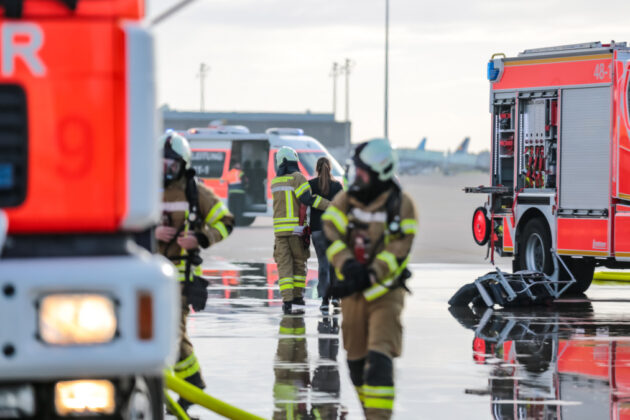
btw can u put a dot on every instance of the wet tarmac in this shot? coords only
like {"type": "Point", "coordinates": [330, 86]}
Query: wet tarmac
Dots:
{"type": "Point", "coordinates": [567, 361]}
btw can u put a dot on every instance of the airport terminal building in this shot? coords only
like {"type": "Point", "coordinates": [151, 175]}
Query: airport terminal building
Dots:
{"type": "Point", "coordinates": [335, 135]}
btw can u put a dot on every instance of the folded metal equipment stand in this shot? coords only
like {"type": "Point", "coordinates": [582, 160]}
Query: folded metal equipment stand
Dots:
{"type": "Point", "coordinates": [523, 287]}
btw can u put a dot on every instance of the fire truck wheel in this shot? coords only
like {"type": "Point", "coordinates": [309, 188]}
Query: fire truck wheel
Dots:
{"type": "Point", "coordinates": [145, 400]}
{"type": "Point", "coordinates": [535, 248]}
{"type": "Point", "coordinates": [583, 270]}
{"type": "Point", "coordinates": [480, 226]}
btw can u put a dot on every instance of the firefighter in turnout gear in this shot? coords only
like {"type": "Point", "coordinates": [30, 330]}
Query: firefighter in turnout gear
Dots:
{"type": "Point", "coordinates": [371, 228]}
{"type": "Point", "coordinates": [289, 189]}
{"type": "Point", "coordinates": [236, 191]}
{"type": "Point", "coordinates": [193, 218]}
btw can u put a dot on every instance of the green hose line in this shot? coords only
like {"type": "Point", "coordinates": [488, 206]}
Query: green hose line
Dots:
{"type": "Point", "coordinates": [175, 408]}
{"type": "Point", "coordinates": [197, 396]}
{"type": "Point", "coordinates": [611, 276]}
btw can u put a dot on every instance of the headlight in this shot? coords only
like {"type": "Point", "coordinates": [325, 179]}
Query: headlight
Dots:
{"type": "Point", "coordinates": [67, 319]}
{"type": "Point", "coordinates": [84, 397]}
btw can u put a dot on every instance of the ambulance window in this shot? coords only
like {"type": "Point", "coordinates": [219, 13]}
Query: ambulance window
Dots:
{"type": "Point", "coordinates": [208, 164]}
{"type": "Point", "coordinates": [309, 161]}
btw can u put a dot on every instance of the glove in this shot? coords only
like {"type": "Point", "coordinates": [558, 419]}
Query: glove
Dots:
{"type": "Point", "coordinates": [356, 279]}
{"type": "Point", "coordinates": [196, 293]}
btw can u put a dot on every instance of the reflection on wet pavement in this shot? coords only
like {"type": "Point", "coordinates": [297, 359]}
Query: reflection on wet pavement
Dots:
{"type": "Point", "coordinates": [557, 362]}
{"type": "Point", "coordinates": [568, 361]}
{"type": "Point", "coordinates": [257, 281]}
{"type": "Point", "coordinates": [295, 388]}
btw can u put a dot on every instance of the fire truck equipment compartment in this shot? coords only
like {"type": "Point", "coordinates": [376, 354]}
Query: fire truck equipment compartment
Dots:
{"type": "Point", "coordinates": [585, 148]}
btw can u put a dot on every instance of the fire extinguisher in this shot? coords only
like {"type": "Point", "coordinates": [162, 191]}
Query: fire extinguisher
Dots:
{"type": "Point", "coordinates": [360, 249]}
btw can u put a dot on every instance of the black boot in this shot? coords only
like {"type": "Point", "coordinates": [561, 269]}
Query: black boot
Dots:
{"type": "Point", "coordinates": [298, 305]}
{"type": "Point", "coordinates": [336, 305]}
{"type": "Point", "coordinates": [287, 308]}
{"type": "Point", "coordinates": [325, 306]}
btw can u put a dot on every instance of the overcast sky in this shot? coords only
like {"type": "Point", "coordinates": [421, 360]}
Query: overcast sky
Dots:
{"type": "Point", "coordinates": [276, 56]}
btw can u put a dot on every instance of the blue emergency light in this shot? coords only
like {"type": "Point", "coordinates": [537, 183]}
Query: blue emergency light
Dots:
{"type": "Point", "coordinates": [493, 73]}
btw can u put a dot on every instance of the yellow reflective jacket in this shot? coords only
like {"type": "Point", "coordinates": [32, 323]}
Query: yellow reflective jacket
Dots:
{"type": "Point", "coordinates": [288, 191]}
{"type": "Point", "coordinates": [217, 220]}
{"type": "Point", "coordinates": [387, 253]}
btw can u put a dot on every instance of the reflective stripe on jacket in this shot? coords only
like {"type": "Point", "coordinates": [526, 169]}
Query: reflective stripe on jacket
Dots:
{"type": "Point", "coordinates": [217, 220]}
{"type": "Point", "coordinates": [288, 192]}
{"type": "Point", "coordinates": [388, 253]}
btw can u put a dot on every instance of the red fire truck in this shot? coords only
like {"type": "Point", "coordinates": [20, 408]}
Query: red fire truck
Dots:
{"type": "Point", "coordinates": [87, 318]}
{"type": "Point", "coordinates": [560, 167]}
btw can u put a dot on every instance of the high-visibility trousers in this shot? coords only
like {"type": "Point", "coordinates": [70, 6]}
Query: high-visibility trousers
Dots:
{"type": "Point", "coordinates": [187, 366]}
{"type": "Point", "coordinates": [291, 256]}
{"type": "Point", "coordinates": [371, 329]}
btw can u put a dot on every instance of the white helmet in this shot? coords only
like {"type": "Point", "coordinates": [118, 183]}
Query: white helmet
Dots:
{"type": "Point", "coordinates": [175, 146]}
{"type": "Point", "coordinates": [287, 153]}
{"type": "Point", "coordinates": [379, 157]}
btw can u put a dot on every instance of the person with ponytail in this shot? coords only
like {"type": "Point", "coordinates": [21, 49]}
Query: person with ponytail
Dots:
{"type": "Point", "coordinates": [327, 187]}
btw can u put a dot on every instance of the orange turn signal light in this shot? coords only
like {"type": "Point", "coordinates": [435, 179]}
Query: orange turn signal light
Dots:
{"type": "Point", "coordinates": [145, 316]}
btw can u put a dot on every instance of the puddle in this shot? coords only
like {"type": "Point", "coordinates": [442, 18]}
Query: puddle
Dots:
{"type": "Point", "coordinates": [568, 361]}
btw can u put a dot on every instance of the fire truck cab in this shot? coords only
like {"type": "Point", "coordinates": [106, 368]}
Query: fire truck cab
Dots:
{"type": "Point", "coordinates": [218, 150]}
{"type": "Point", "coordinates": [560, 167]}
{"type": "Point", "coordinates": [88, 319]}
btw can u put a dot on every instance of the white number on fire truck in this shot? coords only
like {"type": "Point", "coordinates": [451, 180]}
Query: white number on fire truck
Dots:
{"type": "Point", "coordinates": [600, 71]}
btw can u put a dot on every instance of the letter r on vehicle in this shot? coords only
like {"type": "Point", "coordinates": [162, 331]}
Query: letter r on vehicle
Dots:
{"type": "Point", "coordinates": [27, 51]}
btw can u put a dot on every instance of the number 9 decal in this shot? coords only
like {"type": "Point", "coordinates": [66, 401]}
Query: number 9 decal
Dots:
{"type": "Point", "coordinates": [74, 142]}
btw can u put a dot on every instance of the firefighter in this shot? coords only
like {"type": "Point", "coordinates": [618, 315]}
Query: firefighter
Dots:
{"type": "Point", "coordinates": [289, 189]}
{"type": "Point", "coordinates": [193, 218]}
{"type": "Point", "coordinates": [236, 190]}
{"type": "Point", "coordinates": [371, 228]}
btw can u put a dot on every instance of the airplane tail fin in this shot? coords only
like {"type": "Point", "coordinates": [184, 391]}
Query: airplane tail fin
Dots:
{"type": "Point", "coordinates": [423, 144]}
{"type": "Point", "coordinates": [463, 147]}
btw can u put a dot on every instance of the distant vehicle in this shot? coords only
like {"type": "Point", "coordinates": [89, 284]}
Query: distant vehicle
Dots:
{"type": "Point", "coordinates": [419, 160]}
{"type": "Point", "coordinates": [560, 159]}
{"type": "Point", "coordinates": [218, 149]}
{"type": "Point", "coordinates": [460, 160]}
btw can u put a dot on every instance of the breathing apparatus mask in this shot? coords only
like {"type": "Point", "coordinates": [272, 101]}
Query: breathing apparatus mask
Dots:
{"type": "Point", "coordinates": [364, 190]}
{"type": "Point", "coordinates": [173, 165]}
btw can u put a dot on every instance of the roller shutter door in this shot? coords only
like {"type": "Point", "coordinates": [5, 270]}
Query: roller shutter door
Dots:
{"type": "Point", "coordinates": [585, 148]}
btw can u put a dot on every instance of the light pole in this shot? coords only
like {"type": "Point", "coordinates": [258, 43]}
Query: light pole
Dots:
{"type": "Point", "coordinates": [203, 72]}
{"type": "Point", "coordinates": [346, 69]}
{"type": "Point", "coordinates": [386, 120]}
{"type": "Point", "coordinates": [334, 73]}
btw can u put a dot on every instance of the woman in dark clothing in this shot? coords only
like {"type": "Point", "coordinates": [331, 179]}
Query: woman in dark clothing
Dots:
{"type": "Point", "coordinates": [325, 186]}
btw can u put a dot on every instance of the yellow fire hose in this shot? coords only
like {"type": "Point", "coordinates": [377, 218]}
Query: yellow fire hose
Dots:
{"type": "Point", "coordinates": [175, 408]}
{"type": "Point", "coordinates": [197, 396]}
{"type": "Point", "coordinates": [611, 276]}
